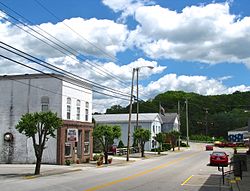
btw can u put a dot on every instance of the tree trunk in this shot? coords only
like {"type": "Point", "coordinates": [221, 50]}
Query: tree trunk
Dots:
{"type": "Point", "coordinates": [38, 165]}
{"type": "Point", "coordinates": [142, 150]}
{"type": "Point", "coordinates": [106, 157]}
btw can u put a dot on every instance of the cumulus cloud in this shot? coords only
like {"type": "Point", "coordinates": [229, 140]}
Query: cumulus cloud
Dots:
{"type": "Point", "coordinates": [207, 33]}
{"type": "Point", "coordinates": [126, 7]}
{"type": "Point", "coordinates": [197, 84]}
{"type": "Point", "coordinates": [97, 37]}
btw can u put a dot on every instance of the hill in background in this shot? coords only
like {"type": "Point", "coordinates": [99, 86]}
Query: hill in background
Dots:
{"type": "Point", "coordinates": [218, 113]}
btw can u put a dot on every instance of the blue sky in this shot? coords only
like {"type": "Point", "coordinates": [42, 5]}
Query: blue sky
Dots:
{"type": "Point", "coordinates": [194, 46]}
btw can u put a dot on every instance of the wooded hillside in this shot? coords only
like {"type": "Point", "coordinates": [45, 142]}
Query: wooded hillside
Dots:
{"type": "Point", "coordinates": [219, 113]}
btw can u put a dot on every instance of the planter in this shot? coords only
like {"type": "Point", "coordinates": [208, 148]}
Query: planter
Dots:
{"type": "Point", "coordinates": [99, 163]}
{"type": "Point", "coordinates": [110, 161]}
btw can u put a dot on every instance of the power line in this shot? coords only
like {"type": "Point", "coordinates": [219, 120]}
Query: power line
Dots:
{"type": "Point", "coordinates": [53, 76]}
{"type": "Point", "coordinates": [63, 71]}
{"type": "Point", "coordinates": [71, 53]}
{"type": "Point", "coordinates": [51, 13]}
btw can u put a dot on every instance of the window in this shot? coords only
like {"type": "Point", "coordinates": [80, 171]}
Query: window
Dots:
{"type": "Point", "coordinates": [153, 128]}
{"type": "Point", "coordinates": [86, 142]}
{"type": "Point", "coordinates": [87, 111]}
{"type": "Point", "coordinates": [68, 107]}
{"type": "Point", "coordinates": [67, 151]}
{"type": "Point", "coordinates": [78, 109]}
{"type": "Point", "coordinates": [45, 103]}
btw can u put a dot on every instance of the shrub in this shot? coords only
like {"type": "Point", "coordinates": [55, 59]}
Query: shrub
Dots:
{"type": "Point", "coordinates": [166, 146]}
{"type": "Point", "coordinates": [68, 162]}
{"type": "Point", "coordinates": [96, 157]}
{"type": "Point", "coordinates": [154, 150]}
{"type": "Point", "coordinates": [183, 144]}
{"type": "Point", "coordinates": [120, 144]}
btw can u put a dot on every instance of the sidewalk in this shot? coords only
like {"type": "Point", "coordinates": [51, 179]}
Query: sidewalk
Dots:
{"type": "Point", "coordinates": [244, 184]}
{"type": "Point", "coordinates": [27, 170]}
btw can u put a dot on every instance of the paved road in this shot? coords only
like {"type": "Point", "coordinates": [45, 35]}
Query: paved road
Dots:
{"type": "Point", "coordinates": [174, 172]}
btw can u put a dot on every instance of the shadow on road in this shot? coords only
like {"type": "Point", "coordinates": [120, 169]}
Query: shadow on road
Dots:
{"type": "Point", "coordinates": [214, 182]}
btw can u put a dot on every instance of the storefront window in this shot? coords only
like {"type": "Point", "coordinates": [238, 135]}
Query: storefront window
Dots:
{"type": "Point", "coordinates": [67, 149]}
{"type": "Point", "coordinates": [86, 142]}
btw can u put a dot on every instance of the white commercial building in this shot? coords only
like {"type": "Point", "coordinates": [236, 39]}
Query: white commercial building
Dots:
{"type": "Point", "coordinates": [71, 99]}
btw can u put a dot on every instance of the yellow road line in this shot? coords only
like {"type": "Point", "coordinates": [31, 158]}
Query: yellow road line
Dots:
{"type": "Point", "coordinates": [187, 180]}
{"type": "Point", "coordinates": [138, 174]}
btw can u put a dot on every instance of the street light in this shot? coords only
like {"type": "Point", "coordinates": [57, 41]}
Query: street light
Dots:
{"type": "Point", "coordinates": [130, 107]}
{"type": "Point", "coordinates": [137, 92]}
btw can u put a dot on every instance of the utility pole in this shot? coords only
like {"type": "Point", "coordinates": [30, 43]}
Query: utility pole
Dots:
{"type": "Point", "coordinates": [187, 120]}
{"type": "Point", "coordinates": [206, 123]}
{"type": "Point", "coordinates": [179, 124]}
{"type": "Point", "coordinates": [137, 96]}
{"type": "Point", "coordinates": [130, 112]}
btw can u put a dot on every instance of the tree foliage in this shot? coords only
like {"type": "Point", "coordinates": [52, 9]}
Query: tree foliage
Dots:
{"type": "Point", "coordinates": [106, 135]}
{"type": "Point", "coordinates": [160, 138]}
{"type": "Point", "coordinates": [40, 127]}
{"type": "Point", "coordinates": [173, 136]}
{"type": "Point", "coordinates": [142, 136]}
{"type": "Point", "coordinates": [225, 112]}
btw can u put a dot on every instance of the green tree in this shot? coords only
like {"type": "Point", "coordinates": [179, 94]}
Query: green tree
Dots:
{"type": "Point", "coordinates": [142, 136]}
{"type": "Point", "coordinates": [106, 135]}
{"type": "Point", "coordinates": [40, 127]}
{"type": "Point", "coordinates": [120, 144]}
{"type": "Point", "coordinates": [173, 135]}
{"type": "Point", "coordinates": [160, 138]}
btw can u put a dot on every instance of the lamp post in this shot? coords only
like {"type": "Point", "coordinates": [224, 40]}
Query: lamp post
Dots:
{"type": "Point", "coordinates": [130, 111]}
{"type": "Point", "coordinates": [130, 106]}
{"type": "Point", "coordinates": [137, 93]}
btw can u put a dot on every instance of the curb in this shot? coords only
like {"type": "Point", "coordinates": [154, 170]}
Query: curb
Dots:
{"type": "Point", "coordinates": [28, 177]}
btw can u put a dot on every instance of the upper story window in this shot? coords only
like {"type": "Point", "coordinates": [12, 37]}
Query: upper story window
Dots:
{"type": "Point", "coordinates": [87, 111]}
{"type": "Point", "coordinates": [78, 109]}
{"type": "Point", "coordinates": [45, 103]}
{"type": "Point", "coordinates": [68, 107]}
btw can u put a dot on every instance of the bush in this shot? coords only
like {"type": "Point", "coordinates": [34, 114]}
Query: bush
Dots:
{"type": "Point", "coordinates": [120, 144]}
{"type": "Point", "coordinates": [183, 144]}
{"type": "Point", "coordinates": [205, 138]}
{"type": "Point", "coordinates": [154, 150]}
{"type": "Point", "coordinates": [96, 157]}
{"type": "Point", "coordinates": [166, 146]}
{"type": "Point", "coordinates": [68, 162]}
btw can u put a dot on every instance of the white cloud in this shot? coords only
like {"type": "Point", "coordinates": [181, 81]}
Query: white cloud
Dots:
{"type": "Point", "coordinates": [206, 33]}
{"type": "Point", "coordinates": [197, 84]}
{"type": "Point", "coordinates": [126, 7]}
{"type": "Point", "coordinates": [103, 34]}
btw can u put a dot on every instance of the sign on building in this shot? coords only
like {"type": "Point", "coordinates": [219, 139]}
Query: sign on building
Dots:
{"type": "Point", "coordinates": [72, 135]}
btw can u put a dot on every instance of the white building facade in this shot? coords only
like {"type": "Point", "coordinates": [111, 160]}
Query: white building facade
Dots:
{"type": "Point", "coordinates": [70, 99]}
{"type": "Point", "coordinates": [150, 121]}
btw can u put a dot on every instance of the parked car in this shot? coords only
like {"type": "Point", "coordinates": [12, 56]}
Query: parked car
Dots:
{"type": "Point", "coordinates": [219, 158]}
{"type": "Point", "coordinates": [209, 147]}
{"type": "Point", "coordinates": [218, 144]}
{"type": "Point", "coordinates": [231, 144]}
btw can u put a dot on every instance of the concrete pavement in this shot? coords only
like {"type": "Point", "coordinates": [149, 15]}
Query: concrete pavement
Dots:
{"type": "Point", "coordinates": [244, 184]}
{"type": "Point", "coordinates": [27, 170]}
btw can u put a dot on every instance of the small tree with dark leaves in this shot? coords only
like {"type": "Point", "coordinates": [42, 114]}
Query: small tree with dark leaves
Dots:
{"type": "Point", "coordinates": [106, 135]}
{"type": "Point", "coordinates": [40, 127]}
{"type": "Point", "coordinates": [173, 135]}
{"type": "Point", "coordinates": [142, 136]}
{"type": "Point", "coordinates": [160, 138]}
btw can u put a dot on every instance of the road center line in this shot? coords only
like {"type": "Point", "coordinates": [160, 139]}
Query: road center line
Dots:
{"type": "Point", "coordinates": [187, 180]}
{"type": "Point", "coordinates": [138, 174]}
